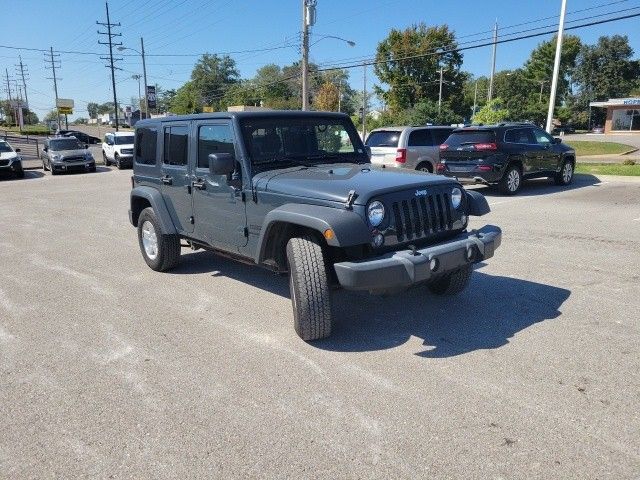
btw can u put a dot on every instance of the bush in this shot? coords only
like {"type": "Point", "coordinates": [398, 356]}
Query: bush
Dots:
{"type": "Point", "coordinates": [628, 161]}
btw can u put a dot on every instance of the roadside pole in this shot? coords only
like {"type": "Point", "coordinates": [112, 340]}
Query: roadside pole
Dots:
{"type": "Point", "coordinates": [493, 61]}
{"type": "Point", "coordinates": [556, 69]}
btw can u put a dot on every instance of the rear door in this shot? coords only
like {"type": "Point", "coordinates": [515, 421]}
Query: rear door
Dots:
{"type": "Point", "coordinates": [384, 146]}
{"type": "Point", "coordinates": [420, 149]}
{"type": "Point", "coordinates": [175, 175]}
{"type": "Point", "coordinates": [521, 144]}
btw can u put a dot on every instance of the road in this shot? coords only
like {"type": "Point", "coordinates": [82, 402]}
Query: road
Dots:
{"type": "Point", "coordinates": [111, 370]}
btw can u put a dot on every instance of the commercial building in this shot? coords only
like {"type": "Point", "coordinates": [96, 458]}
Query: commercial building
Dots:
{"type": "Point", "coordinates": [623, 114]}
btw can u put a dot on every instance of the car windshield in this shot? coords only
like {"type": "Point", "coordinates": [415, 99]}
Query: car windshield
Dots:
{"type": "Point", "coordinates": [383, 138]}
{"type": "Point", "coordinates": [287, 141]}
{"type": "Point", "coordinates": [123, 139]}
{"type": "Point", "coordinates": [4, 147]}
{"type": "Point", "coordinates": [470, 137]}
{"type": "Point", "coordinates": [65, 144]}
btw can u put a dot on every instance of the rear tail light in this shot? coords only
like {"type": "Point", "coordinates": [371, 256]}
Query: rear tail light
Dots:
{"type": "Point", "coordinates": [484, 168]}
{"type": "Point", "coordinates": [443, 146]}
{"type": "Point", "coordinates": [401, 155]}
{"type": "Point", "coordinates": [486, 146]}
{"type": "Point", "coordinates": [440, 167]}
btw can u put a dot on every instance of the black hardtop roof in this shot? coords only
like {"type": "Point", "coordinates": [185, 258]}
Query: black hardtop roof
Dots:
{"type": "Point", "coordinates": [242, 115]}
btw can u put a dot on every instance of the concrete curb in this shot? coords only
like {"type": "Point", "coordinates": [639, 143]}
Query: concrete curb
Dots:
{"type": "Point", "coordinates": [611, 178]}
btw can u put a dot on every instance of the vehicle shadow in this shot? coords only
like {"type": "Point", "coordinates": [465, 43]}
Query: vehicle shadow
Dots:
{"type": "Point", "coordinates": [540, 186]}
{"type": "Point", "coordinates": [28, 175]}
{"type": "Point", "coordinates": [485, 316]}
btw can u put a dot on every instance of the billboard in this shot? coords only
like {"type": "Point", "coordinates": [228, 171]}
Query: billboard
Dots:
{"type": "Point", "coordinates": [151, 96]}
{"type": "Point", "coordinates": [65, 105]}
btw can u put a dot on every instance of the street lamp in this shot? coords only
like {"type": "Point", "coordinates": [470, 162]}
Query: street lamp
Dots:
{"type": "Point", "coordinates": [351, 43]}
{"type": "Point", "coordinates": [144, 72]}
{"type": "Point", "coordinates": [137, 77]}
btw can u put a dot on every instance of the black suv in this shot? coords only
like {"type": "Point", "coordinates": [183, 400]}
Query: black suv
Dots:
{"type": "Point", "coordinates": [295, 192]}
{"type": "Point", "coordinates": [504, 155]}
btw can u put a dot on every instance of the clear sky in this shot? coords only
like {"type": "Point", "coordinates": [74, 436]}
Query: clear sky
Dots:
{"type": "Point", "coordinates": [219, 26]}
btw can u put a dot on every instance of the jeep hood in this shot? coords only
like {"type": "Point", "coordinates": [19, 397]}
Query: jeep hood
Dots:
{"type": "Point", "coordinates": [8, 155]}
{"type": "Point", "coordinates": [334, 181]}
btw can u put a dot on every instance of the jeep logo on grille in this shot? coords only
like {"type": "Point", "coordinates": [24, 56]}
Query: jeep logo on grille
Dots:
{"type": "Point", "coordinates": [421, 193]}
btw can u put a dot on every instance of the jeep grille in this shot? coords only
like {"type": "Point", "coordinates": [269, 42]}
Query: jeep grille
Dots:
{"type": "Point", "coordinates": [421, 217]}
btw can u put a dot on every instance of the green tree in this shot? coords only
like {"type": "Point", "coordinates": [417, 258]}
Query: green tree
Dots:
{"type": "Point", "coordinates": [51, 116]}
{"type": "Point", "coordinates": [210, 78]}
{"type": "Point", "coordinates": [417, 78]}
{"type": "Point", "coordinates": [92, 109]}
{"type": "Point", "coordinates": [186, 100]}
{"type": "Point", "coordinates": [491, 113]}
{"type": "Point", "coordinates": [327, 98]}
{"type": "Point", "coordinates": [164, 99]}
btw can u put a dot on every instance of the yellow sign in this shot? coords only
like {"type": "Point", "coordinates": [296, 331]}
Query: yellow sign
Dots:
{"type": "Point", "coordinates": [65, 110]}
{"type": "Point", "coordinates": [207, 109]}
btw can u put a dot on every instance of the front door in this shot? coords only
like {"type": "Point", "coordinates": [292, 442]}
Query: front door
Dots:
{"type": "Point", "coordinates": [550, 156]}
{"type": "Point", "coordinates": [218, 208]}
{"type": "Point", "coordinates": [175, 177]}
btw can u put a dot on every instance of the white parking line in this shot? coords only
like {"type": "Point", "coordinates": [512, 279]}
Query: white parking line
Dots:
{"type": "Point", "coordinates": [636, 219]}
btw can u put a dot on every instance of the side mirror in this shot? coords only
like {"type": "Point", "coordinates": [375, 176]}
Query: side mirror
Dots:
{"type": "Point", "coordinates": [86, 145]}
{"type": "Point", "coordinates": [221, 163]}
{"type": "Point", "coordinates": [367, 149]}
{"type": "Point", "coordinates": [45, 148]}
{"type": "Point", "coordinates": [17, 150]}
{"type": "Point", "coordinates": [557, 140]}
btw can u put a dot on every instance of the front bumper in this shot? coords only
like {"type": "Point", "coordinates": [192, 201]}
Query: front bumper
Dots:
{"type": "Point", "coordinates": [405, 268]}
{"type": "Point", "coordinates": [11, 165]}
{"type": "Point", "coordinates": [73, 166]}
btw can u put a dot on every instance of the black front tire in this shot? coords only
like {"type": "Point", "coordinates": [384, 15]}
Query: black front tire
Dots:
{"type": "Point", "coordinates": [44, 166]}
{"type": "Point", "coordinates": [309, 285]}
{"type": "Point", "coordinates": [19, 173]}
{"type": "Point", "coordinates": [565, 177]}
{"type": "Point", "coordinates": [452, 283]}
{"type": "Point", "coordinates": [118, 163]}
{"type": "Point", "coordinates": [511, 181]}
{"type": "Point", "coordinates": [105, 159]}
{"type": "Point", "coordinates": [168, 245]}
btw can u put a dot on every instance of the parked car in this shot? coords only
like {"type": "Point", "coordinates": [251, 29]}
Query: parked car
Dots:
{"type": "Point", "coordinates": [504, 155]}
{"type": "Point", "coordinates": [562, 129]}
{"type": "Point", "coordinates": [295, 192]}
{"type": "Point", "coordinates": [66, 154]}
{"type": "Point", "coordinates": [10, 161]}
{"type": "Point", "coordinates": [415, 147]}
{"type": "Point", "coordinates": [81, 136]}
{"type": "Point", "coordinates": [597, 129]}
{"type": "Point", "coordinates": [117, 148]}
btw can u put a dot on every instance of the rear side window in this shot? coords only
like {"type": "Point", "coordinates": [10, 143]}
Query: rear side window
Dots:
{"type": "Point", "coordinates": [440, 135]}
{"type": "Point", "coordinates": [519, 135]}
{"type": "Point", "coordinates": [383, 138]}
{"type": "Point", "coordinates": [175, 145]}
{"type": "Point", "coordinates": [145, 145]}
{"type": "Point", "coordinates": [469, 137]}
{"type": "Point", "coordinates": [420, 138]}
{"type": "Point", "coordinates": [213, 139]}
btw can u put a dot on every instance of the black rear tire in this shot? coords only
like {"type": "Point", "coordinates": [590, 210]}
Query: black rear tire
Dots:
{"type": "Point", "coordinates": [511, 181]}
{"type": "Point", "coordinates": [168, 245]}
{"type": "Point", "coordinates": [425, 167]}
{"type": "Point", "coordinates": [309, 285]}
{"type": "Point", "coordinates": [452, 283]}
{"type": "Point", "coordinates": [565, 177]}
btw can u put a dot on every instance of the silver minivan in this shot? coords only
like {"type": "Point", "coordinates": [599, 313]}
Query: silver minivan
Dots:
{"type": "Point", "coordinates": [417, 148]}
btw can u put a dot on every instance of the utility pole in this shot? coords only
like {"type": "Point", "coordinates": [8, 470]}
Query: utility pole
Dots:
{"type": "Point", "coordinates": [23, 73]}
{"type": "Point", "coordinates": [111, 44]}
{"type": "Point", "coordinates": [493, 61]}
{"type": "Point", "coordinates": [475, 101]}
{"type": "Point", "coordinates": [6, 71]}
{"type": "Point", "coordinates": [144, 73]}
{"type": "Point", "coordinates": [308, 19]}
{"type": "Point", "coordinates": [556, 68]}
{"type": "Point", "coordinates": [364, 102]}
{"type": "Point", "coordinates": [54, 63]}
{"type": "Point", "coordinates": [440, 94]}
{"type": "Point", "coordinates": [137, 77]}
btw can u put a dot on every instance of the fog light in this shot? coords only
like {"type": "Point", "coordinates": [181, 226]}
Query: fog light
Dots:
{"type": "Point", "coordinates": [378, 240]}
{"type": "Point", "coordinates": [434, 264]}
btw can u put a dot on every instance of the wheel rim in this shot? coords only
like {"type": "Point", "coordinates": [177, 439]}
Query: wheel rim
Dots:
{"type": "Point", "coordinates": [567, 172]}
{"type": "Point", "coordinates": [513, 180]}
{"type": "Point", "coordinates": [149, 240]}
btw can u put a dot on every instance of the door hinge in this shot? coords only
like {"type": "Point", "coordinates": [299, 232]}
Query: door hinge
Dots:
{"type": "Point", "coordinates": [246, 232]}
{"type": "Point", "coordinates": [243, 196]}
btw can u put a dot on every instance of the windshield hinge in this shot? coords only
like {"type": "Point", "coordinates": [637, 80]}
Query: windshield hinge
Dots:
{"type": "Point", "coordinates": [350, 199]}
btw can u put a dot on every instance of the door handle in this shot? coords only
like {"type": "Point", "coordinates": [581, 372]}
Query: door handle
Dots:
{"type": "Point", "coordinates": [199, 184]}
{"type": "Point", "coordinates": [167, 180]}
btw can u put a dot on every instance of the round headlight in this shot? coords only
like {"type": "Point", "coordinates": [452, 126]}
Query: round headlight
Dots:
{"type": "Point", "coordinates": [375, 213]}
{"type": "Point", "coordinates": [456, 197]}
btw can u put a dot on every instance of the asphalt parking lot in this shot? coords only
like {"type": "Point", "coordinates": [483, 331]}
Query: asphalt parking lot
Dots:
{"type": "Point", "coordinates": [108, 369]}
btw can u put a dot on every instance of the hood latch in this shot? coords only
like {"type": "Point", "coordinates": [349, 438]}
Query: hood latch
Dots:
{"type": "Point", "coordinates": [350, 199]}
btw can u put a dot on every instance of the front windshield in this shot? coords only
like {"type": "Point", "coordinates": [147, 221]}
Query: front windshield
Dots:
{"type": "Point", "coordinates": [4, 147]}
{"type": "Point", "coordinates": [124, 139]}
{"type": "Point", "coordinates": [284, 141]}
{"type": "Point", "coordinates": [65, 144]}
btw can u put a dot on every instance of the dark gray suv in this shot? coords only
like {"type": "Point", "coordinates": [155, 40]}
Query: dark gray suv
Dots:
{"type": "Point", "coordinates": [295, 192]}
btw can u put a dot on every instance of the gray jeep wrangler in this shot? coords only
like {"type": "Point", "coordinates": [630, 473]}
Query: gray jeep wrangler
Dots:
{"type": "Point", "coordinates": [295, 192]}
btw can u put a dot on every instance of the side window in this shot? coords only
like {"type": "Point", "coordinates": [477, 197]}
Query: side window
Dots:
{"type": "Point", "coordinates": [213, 139]}
{"type": "Point", "coordinates": [542, 137]}
{"type": "Point", "coordinates": [522, 136]}
{"type": "Point", "coordinates": [146, 142]}
{"type": "Point", "coordinates": [420, 138]}
{"type": "Point", "coordinates": [175, 145]}
{"type": "Point", "coordinates": [440, 135]}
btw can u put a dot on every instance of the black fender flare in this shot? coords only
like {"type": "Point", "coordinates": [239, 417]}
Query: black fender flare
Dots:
{"type": "Point", "coordinates": [154, 197]}
{"type": "Point", "coordinates": [348, 227]}
{"type": "Point", "coordinates": [477, 204]}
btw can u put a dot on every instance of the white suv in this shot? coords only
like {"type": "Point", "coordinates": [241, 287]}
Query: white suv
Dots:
{"type": "Point", "coordinates": [117, 148]}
